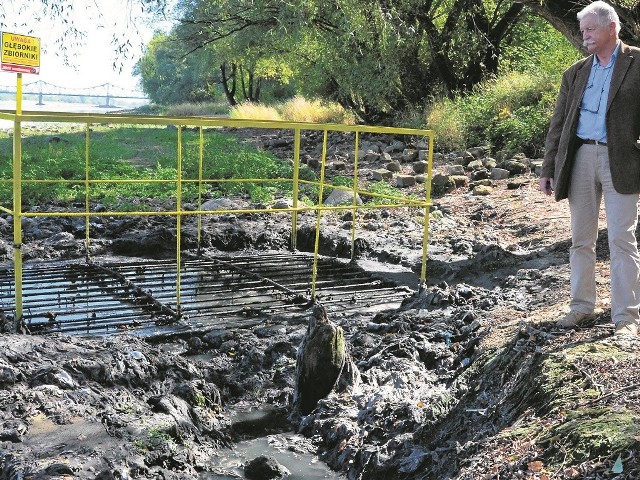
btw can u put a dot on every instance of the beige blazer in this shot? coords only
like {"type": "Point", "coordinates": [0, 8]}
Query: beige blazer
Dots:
{"type": "Point", "coordinates": [622, 119]}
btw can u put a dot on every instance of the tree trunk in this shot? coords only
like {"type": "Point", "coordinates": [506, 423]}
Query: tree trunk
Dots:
{"type": "Point", "coordinates": [322, 363]}
{"type": "Point", "coordinates": [229, 92]}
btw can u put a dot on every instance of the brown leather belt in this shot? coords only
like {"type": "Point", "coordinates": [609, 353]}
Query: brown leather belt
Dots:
{"type": "Point", "coordinates": [582, 141]}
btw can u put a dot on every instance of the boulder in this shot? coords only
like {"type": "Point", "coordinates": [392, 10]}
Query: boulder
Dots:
{"type": "Point", "coordinates": [405, 181]}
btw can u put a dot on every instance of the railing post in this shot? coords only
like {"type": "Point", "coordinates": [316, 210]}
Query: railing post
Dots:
{"type": "Point", "coordinates": [17, 199]}
{"type": "Point", "coordinates": [425, 234]}
{"type": "Point", "coordinates": [354, 211]}
{"type": "Point", "coordinates": [200, 176]}
{"type": "Point", "coordinates": [178, 217]}
{"type": "Point", "coordinates": [296, 178]}
{"type": "Point", "coordinates": [87, 206]}
{"type": "Point", "coordinates": [316, 246]}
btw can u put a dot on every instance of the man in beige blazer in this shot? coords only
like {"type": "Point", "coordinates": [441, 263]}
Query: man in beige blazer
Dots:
{"type": "Point", "coordinates": [593, 151]}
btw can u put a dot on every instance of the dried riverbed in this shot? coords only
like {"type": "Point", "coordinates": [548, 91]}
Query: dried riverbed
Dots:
{"type": "Point", "coordinates": [467, 379]}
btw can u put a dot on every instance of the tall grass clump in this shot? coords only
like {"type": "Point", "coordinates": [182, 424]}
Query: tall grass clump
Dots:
{"type": "Point", "coordinates": [300, 109]}
{"type": "Point", "coordinates": [296, 109]}
{"type": "Point", "coordinates": [198, 109]}
{"type": "Point", "coordinates": [254, 111]}
{"type": "Point", "coordinates": [447, 120]}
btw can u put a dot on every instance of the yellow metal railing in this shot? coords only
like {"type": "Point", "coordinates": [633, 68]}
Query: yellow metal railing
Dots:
{"type": "Point", "coordinates": [391, 201]}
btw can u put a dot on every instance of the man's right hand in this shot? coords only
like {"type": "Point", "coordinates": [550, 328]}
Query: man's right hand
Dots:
{"type": "Point", "coordinates": [546, 185]}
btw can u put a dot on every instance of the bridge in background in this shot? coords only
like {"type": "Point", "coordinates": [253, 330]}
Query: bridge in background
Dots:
{"type": "Point", "coordinates": [106, 93]}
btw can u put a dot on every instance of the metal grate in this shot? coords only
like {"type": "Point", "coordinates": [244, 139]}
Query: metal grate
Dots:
{"type": "Point", "coordinates": [141, 295]}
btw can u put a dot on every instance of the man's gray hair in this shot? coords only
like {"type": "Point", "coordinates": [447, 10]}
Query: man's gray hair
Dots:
{"type": "Point", "coordinates": [605, 13]}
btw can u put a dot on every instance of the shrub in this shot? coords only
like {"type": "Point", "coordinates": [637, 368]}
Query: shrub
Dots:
{"type": "Point", "coordinates": [446, 119]}
{"type": "Point", "coordinates": [508, 113]}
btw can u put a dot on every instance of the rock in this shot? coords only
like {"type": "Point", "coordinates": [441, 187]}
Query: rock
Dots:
{"type": "Point", "coordinates": [420, 166]}
{"type": "Point", "coordinates": [405, 181]}
{"type": "Point", "coordinates": [264, 468]}
{"type": "Point", "coordinates": [455, 169]}
{"type": "Point", "coordinates": [536, 165]}
{"type": "Point", "coordinates": [475, 165]}
{"type": "Point", "coordinates": [476, 152]}
{"type": "Point", "coordinates": [342, 197]}
{"type": "Point", "coordinates": [468, 156]}
{"type": "Point", "coordinates": [58, 469]}
{"type": "Point", "coordinates": [283, 203]}
{"type": "Point", "coordinates": [409, 155]}
{"type": "Point", "coordinates": [339, 165]}
{"type": "Point", "coordinates": [515, 167]}
{"type": "Point", "coordinates": [482, 190]}
{"type": "Point", "coordinates": [395, 146]}
{"type": "Point", "coordinates": [480, 175]}
{"type": "Point", "coordinates": [222, 204]}
{"type": "Point", "coordinates": [499, 174]}
{"type": "Point", "coordinates": [369, 156]}
{"type": "Point", "coordinates": [61, 240]}
{"type": "Point", "coordinates": [381, 174]}
{"type": "Point", "coordinates": [442, 184]}
{"type": "Point", "coordinates": [215, 338]}
{"type": "Point", "coordinates": [393, 166]}
{"type": "Point", "coordinates": [515, 184]}
{"type": "Point", "coordinates": [7, 375]}
{"type": "Point", "coordinates": [372, 226]}
{"type": "Point", "coordinates": [460, 180]}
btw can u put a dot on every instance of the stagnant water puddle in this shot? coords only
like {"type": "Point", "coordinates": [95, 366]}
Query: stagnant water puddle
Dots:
{"type": "Point", "coordinates": [261, 431]}
{"type": "Point", "coordinates": [301, 465]}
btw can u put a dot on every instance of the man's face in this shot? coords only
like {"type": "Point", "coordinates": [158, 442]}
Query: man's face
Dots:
{"type": "Point", "coordinates": [595, 37]}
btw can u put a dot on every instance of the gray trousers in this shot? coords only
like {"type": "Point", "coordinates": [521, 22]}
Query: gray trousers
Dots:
{"type": "Point", "coordinates": [590, 181]}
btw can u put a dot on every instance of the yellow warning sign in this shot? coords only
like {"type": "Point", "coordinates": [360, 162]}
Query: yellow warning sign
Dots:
{"type": "Point", "coordinates": [20, 53]}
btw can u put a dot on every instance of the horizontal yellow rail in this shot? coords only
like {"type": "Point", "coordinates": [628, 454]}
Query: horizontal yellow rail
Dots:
{"type": "Point", "coordinates": [120, 119]}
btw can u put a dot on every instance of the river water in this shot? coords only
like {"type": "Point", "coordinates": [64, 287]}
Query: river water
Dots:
{"type": "Point", "coordinates": [67, 107]}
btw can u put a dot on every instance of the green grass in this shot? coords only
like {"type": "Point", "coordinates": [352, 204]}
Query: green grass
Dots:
{"type": "Point", "coordinates": [147, 155]}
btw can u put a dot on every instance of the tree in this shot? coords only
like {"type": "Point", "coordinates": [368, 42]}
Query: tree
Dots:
{"type": "Point", "coordinates": [376, 56]}
{"type": "Point", "coordinates": [562, 15]}
{"type": "Point", "coordinates": [246, 57]}
{"type": "Point", "coordinates": [169, 75]}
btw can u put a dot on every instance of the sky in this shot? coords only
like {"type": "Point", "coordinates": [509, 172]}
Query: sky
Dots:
{"type": "Point", "coordinates": [92, 57]}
